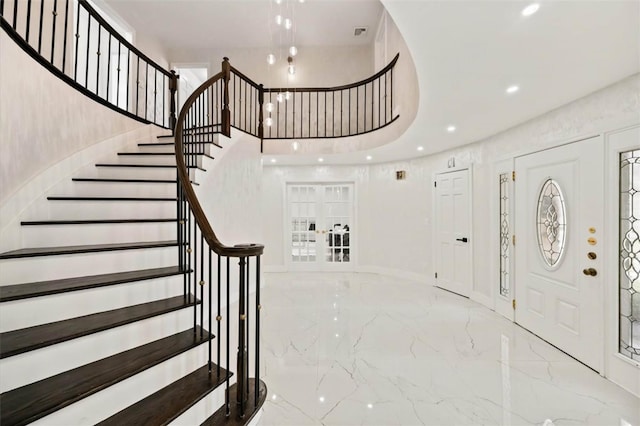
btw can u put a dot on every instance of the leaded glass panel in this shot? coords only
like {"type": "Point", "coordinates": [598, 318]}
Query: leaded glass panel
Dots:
{"type": "Point", "coordinates": [629, 272]}
{"type": "Point", "coordinates": [551, 223]}
{"type": "Point", "coordinates": [504, 234]}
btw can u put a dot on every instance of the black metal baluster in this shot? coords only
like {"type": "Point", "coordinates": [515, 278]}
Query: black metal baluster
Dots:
{"type": "Point", "coordinates": [189, 242]}
{"type": "Point", "coordinates": [278, 117]}
{"type": "Point", "coordinates": [247, 322]}
{"type": "Point", "coordinates": [391, 109]}
{"type": "Point", "coordinates": [357, 110]}
{"type": "Point", "coordinates": [15, 13]}
{"type": "Point", "coordinates": [146, 91]}
{"type": "Point", "coordinates": [54, 12]}
{"type": "Point", "coordinates": [219, 316]}
{"type": "Point", "coordinates": [202, 283]}
{"type": "Point", "coordinates": [257, 350]}
{"type": "Point", "coordinates": [293, 116]}
{"type": "Point", "coordinates": [40, 27]}
{"type": "Point", "coordinates": [317, 114]}
{"type": "Point", "coordinates": [286, 116]}
{"type": "Point", "coordinates": [341, 113]}
{"type": "Point", "coordinates": [77, 35]}
{"type": "Point", "coordinates": [129, 77]}
{"type": "Point", "coordinates": [27, 30]}
{"type": "Point", "coordinates": [210, 307]}
{"type": "Point", "coordinates": [325, 114]}
{"type": "Point", "coordinates": [64, 47]}
{"type": "Point", "coordinates": [241, 370]}
{"type": "Point", "coordinates": [2, 7]}
{"type": "Point", "coordinates": [379, 90]}
{"type": "Point", "coordinates": [364, 107]}
{"type": "Point", "coordinates": [109, 66]}
{"type": "Point", "coordinates": [137, 87]}
{"type": "Point", "coordinates": [118, 76]}
{"type": "Point", "coordinates": [164, 99]}
{"type": "Point", "coordinates": [385, 96]}
{"type": "Point", "coordinates": [86, 68]}
{"type": "Point", "coordinates": [98, 60]}
{"type": "Point", "coordinates": [228, 408]}
{"type": "Point", "coordinates": [350, 110]}
{"type": "Point", "coordinates": [155, 94]}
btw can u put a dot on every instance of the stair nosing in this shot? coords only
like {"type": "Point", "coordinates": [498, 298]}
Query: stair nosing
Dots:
{"type": "Point", "coordinates": [166, 181]}
{"type": "Point", "coordinates": [101, 366]}
{"type": "Point", "coordinates": [66, 285]}
{"type": "Point", "coordinates": [95, 221]}
{"type": "Point", "coordinates": [188, 303]}
{"type": "Point", "coordinates": [81, 198]}
{"type": "Point", "coordinates": [159, 166]}
{"type": "Point", "coordinates": [92, 248]}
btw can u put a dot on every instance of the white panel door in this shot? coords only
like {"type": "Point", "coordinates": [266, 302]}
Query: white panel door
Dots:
{"type": "Point", "coordinates": [559, 248]}
{"type": "Point", "coordinates": [452, 231]}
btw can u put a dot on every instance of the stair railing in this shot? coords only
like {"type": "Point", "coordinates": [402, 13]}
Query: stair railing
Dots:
{"type": "Point", "coordinates": [205, 113]}
{"type": "Point", "coordinates": [72, 40]}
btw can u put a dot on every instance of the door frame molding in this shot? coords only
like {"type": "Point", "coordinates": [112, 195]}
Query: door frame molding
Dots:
{"type": "Point", "coordinates": [434, 226]}
{"type": "Point", "coordinates": [286, 226]}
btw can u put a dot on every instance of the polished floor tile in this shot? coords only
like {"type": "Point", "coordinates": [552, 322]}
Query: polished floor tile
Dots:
{"type": "Point", "coordinates": [364, 349]}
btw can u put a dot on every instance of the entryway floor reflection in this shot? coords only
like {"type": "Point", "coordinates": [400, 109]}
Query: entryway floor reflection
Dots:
{"type": "Point", "coordinates": [366, 349]}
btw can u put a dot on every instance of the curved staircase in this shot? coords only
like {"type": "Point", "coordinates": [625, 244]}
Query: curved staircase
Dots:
{"type": "Point", "coordinates": [96, 325]}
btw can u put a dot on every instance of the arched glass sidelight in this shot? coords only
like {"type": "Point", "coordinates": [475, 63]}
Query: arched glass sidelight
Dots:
{"type": "Point", "coordinates": [551, 223]}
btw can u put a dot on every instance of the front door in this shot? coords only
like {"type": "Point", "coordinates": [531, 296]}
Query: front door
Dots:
{"type": "Point", "coordinates": [320, 226]}
{"type": "Point", "coordinates": [453, 232]}
{"type": "Point", "coordinates": [559, 234]}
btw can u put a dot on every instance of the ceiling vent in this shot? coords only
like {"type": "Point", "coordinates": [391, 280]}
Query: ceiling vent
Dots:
{"type": "Point", "coordinates": [360, 31]}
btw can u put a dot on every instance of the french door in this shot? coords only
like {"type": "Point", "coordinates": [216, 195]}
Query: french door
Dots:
{"type": "Point", "coordinates": [559, 217]}
{"type": "Point", "coordinates": [320, 226]}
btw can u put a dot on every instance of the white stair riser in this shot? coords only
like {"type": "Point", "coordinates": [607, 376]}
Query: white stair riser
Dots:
{"type": "Point", "coordinates": [145, 159]}
{"type": "Point", "coordinates": [104, 233]}
{"type": "Point", "coordinates": [113, 399]}
{"type": "Point", "coordinates": [80, 210]}
{"type": "Point", "coordinates": [206, 148]}
{"type": "Point", "coordinates": [118, 189]}
{"type": "Point", "coordinates": [41, 310]}
{"type": "Point", "coordinates": [45, 268]}
{"type": "Point", "coordinates": [134, 172]}
{"type": "Point", "coordinates": [30, 367]}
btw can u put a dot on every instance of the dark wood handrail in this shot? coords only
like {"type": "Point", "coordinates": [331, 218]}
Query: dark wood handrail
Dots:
{"type": "Point", "coordinates": [209, 235]}
{"type": "Point", "coordinates": [337, 88]}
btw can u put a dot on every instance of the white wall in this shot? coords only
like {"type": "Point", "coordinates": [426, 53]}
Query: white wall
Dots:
{"type": "Point", "coordinates": [43, 119]}
{"type": "Point", "coordinates": [395, 217]}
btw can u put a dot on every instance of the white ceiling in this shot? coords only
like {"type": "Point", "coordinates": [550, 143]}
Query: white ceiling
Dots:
{"type": "Point", "coordinates": [466, 54]}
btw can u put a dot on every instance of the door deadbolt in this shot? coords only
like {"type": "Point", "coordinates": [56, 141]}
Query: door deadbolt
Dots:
{"type": "Point", "coordinates": [590, 272]}
{"type": "Point", "coordinates": [591, 255]}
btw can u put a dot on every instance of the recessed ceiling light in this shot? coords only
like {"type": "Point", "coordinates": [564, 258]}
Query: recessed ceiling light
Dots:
{"type": "Point", "coordinates": [420, 148]}
{"type": "Point", "coordinates": [273, 160]}
{"type": "Point", "coordinates": [451, 129]}
{"type": "Point", "coordinates": [512, 89]}
{"type": "Point", "coordinates": [531, 9]}
{"type": "Point", "coordinates": [320, 160]}
{"type": "Point", "coordinates": [369, 157]}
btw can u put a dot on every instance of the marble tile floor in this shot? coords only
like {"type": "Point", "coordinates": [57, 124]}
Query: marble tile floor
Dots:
{"type": "Point", "coordinates": [364, 349]}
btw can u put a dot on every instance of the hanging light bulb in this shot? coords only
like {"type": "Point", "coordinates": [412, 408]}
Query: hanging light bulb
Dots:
{"type": "Point", "coordinates": [295, 145]}
{"type": "Point", "coordinates": [301, 1]}
{"type": "Point", "coordinates": [278, 1]}
{"type": "Point", "coordinates": [293, 51]}
{"type": "Point", "coordinates": [287, 95]}
{"type": "Point", "coordinates": [292, 69]}
{"type": "Point", "coordinates": [288, 23]}
{"type": "Point", "coordinates": [268, 122]}
{"type": "Point", "coordinates": [268, 107]}
{"type": "Point", "coordinates": [271, 59]}
{"type": "Point", "coordinates": [279, 97]}
{"type": "Point", "coordinates": [278, 19]}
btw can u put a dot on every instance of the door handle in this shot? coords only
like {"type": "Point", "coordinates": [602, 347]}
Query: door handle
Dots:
{"type": "Point", "coordinates": [463, 239]}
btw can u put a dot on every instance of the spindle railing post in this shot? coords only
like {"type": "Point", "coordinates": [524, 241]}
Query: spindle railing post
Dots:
{"type": "Point", "coordinates": [226, 112]}
{"type": "Point", "coordinates": [242, 359]}
{"type": "Point", "coordinates": [261, 116]}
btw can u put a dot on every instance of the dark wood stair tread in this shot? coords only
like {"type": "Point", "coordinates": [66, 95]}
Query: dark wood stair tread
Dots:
{"type": "Point", "coordinates": [33, 401]}
{"type": "Point", "coordinates": [70, 198]}
{"type": "Point", "coordinates": [123, 180]}
{"type": "Point", "coordinates": [45, 288]}
{"type": "Point", "coordinates": [173, 144]}
{"type": "Point", "coordinates": [172, 154]}
{"type": "Point", "coordinates": [96, 221]}
{"type": "Point", "coordinates": [159, 166]}
{"type": "Point", "coordinates": [171, 401]}
{"type": "Point", "coordinates": [251, 409]}
{"type": "Point", "coordinates": [27, 339]}
{"type": "Point", "coordinates": [94, 248]}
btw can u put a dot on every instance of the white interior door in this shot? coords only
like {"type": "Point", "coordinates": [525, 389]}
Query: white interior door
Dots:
{"type": "Point", "coordinates": [559, 228]}
{"type": "Point", "coordinates": [320, 226]}
{"type": "Point", "coordinates": [453, 232]}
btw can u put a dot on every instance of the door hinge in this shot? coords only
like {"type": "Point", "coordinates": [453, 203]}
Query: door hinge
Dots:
{"type": "Point", "coordinates": [435, 184]}
{"type": "Point", "coordinates": [436, 275]}
{"type": "Point", "coordinates": [513, 303]}
{"type": "Point", "coordinates": [513, 175]}
{"type": "Point", "coordinates": [513, 239]}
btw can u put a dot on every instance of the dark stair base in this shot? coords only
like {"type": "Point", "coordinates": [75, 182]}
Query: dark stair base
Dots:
{"type": "Point", "coordinates": [171, 401]}
{"type": "Point", "coordinates": [250, 410]}
{"type": "Point", "coordinates": [94, 248]}
{"type": "Point", "coordinates": [36, 400]}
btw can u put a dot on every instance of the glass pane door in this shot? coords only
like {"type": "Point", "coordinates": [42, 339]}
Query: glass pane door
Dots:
{"type": "Point", "coordinates": [320, 222]}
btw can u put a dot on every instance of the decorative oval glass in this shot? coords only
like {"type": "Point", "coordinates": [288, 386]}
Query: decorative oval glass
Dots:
{"type": "Point", "coordinates": [551, 223]}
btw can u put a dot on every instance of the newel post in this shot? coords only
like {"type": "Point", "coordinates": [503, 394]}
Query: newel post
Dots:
{"type": "Point", "coordinates": [226, 112]}
{"type": "Point", "coordinates": [173, 87]}
{"type": "Point", "coordinates": [261, 116]}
